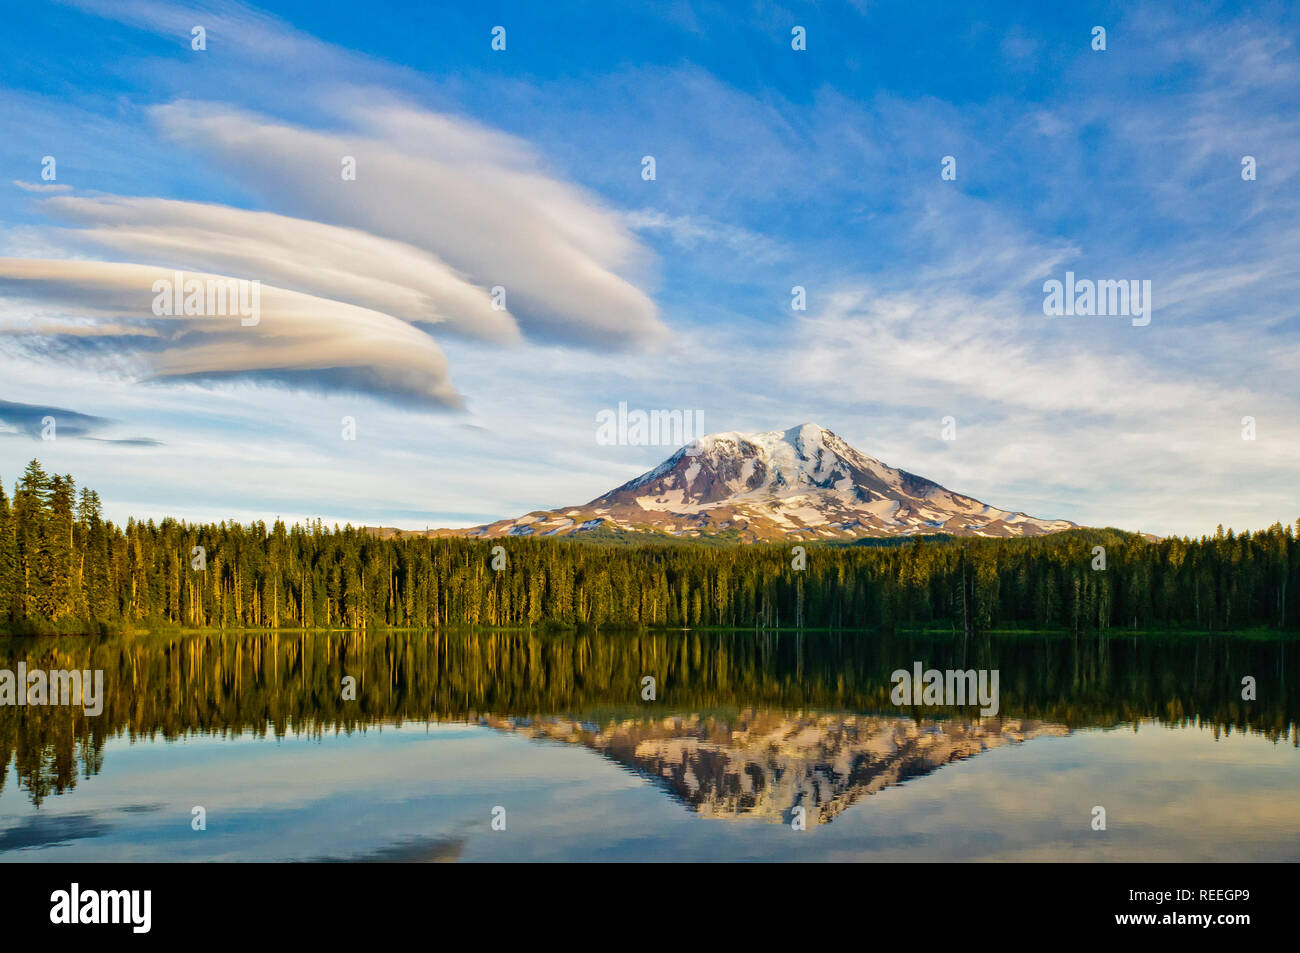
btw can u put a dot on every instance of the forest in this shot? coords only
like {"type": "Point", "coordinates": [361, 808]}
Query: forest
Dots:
{"type": "Point", "coordinates": [65, 569]}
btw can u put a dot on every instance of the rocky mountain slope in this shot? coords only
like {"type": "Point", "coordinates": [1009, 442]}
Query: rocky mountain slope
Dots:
{"type": "Point", "coordinates": [802, 484]}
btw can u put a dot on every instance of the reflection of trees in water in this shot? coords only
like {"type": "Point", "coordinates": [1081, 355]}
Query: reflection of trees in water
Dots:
{"type": "Point", "coordinates": [274, 682]}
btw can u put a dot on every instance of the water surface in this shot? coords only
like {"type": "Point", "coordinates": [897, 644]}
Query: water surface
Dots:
{"type": "Point", "coordinates": [745, 729]}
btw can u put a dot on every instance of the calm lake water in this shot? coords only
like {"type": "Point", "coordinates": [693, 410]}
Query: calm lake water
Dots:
{"type": "Point", "coordinates": [744, 730]}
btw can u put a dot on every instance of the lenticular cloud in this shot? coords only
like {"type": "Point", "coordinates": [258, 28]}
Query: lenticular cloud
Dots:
{"type": "Point", "coordinates": [473, 197]}
{"type": "Point", "coordinates": [292, 334]}
{"type": "Point", "coordinates": [446, 228]}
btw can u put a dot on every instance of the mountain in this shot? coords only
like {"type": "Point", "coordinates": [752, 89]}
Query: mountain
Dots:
{"type": "Point", "coordinates": [803, 484]}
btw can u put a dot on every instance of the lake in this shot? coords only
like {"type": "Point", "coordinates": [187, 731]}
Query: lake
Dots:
{"type": "Point", "coordinates": [518, 745]}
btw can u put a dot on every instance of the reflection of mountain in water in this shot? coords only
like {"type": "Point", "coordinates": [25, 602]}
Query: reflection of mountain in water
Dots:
{"type": "Point", "coordinates": [271, 683]}
{"type": "Point", "coordinates": [764, 764]}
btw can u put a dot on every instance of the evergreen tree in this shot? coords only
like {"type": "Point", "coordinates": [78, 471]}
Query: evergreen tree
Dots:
{"type": "Point", "coordinates": [65, 567]}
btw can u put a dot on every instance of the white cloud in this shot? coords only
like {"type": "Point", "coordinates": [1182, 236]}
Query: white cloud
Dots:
{"type": "Point", "coordinates": [297, 334]}
{"type": "Point", "coordinates": [325, 260]}
{"type": "Point", "coordinates": [1054, 415]}
{"type": "Point", "coordinates": [457, 190]}
{"type": "Point", "coordinates": [41, 186]}
{"type": "Point", "coordinates": [692, 231]}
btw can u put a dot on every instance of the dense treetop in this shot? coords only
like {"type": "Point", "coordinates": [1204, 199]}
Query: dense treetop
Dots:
{"type": "Point", "coordinates": [63, 568]}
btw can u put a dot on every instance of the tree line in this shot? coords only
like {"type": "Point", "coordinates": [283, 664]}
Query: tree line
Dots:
{"type": "Point", "coordinates": [65, 569]}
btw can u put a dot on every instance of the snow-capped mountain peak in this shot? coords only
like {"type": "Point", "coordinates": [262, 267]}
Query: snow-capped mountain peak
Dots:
{"type": "Point", "coordinates": [805, 483]}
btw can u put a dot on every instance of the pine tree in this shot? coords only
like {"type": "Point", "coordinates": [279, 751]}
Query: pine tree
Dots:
{"type": "Point", "coordinates": [8, 561]}
{"type": "Point", "coordinates": [33, 565]}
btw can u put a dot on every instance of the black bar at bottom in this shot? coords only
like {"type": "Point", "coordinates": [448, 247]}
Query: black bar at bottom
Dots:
{"type": "Point", "coordinates": [331, 902]}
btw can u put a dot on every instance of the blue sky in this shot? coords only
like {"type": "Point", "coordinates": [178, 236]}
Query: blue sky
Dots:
{"type": "Point", "coordinates": [774, 168]}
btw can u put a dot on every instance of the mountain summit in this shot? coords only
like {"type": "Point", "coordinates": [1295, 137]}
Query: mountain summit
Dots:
{"type": "Point", "coordinates": [804, 483]}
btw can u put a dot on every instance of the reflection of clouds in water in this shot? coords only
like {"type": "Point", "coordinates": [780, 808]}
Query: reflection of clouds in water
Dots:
{"type": "Point", "coordinates": [793, 723]}
{"type": "Point", "coordinates": [417, 796]}
{"type": "Point", "coordinates": [56, 830]}
{"type": "Point", "coordinates": [51, 830]}
{"type": "Point", "coordinates": [1171, 795]}
{"type": "Point", "coordinates": [415, 850]}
